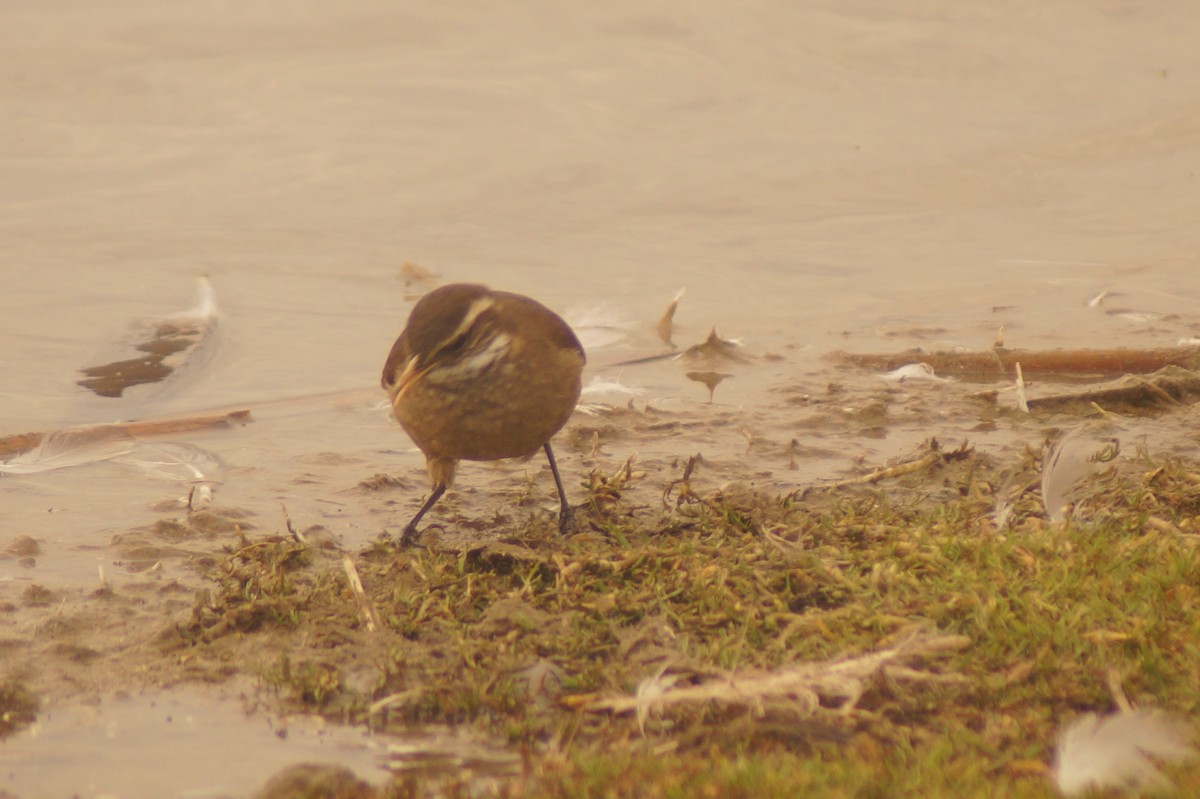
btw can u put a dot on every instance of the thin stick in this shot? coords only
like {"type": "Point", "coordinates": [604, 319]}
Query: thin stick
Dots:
{"type": "Point", "coordinates": [1022, 399]}
{"type": "Point", "coordinates": [1118, 692]}
{"type": "Point", "coordinates": [365, 609]}
{"type": "Point", "coordinates": [21, 442]}
{"type": "Point", "coordinates": [920, 464]}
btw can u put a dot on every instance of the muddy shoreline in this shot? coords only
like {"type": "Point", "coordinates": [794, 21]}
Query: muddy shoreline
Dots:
{"type": "Point", "coordinates": [495, 638]}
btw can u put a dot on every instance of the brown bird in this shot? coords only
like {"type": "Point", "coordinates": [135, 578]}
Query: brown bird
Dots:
{"type": "Point", "coordinates": [480, 375]}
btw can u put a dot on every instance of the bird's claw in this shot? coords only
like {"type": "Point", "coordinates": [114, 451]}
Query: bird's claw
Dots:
{"type": "Point", "coordinates": [566, 520]}
{"type": "Point", "coordinates": [409, 537]}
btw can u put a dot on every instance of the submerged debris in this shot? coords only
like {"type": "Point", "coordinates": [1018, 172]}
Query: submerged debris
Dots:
{"type": "Point", "coordinates": [313, 780]}
{"type": "Point", "coordinates": [18, 706]}
{"type": "Point", "coordinates": [710, 380]}
{"type": "Point", "coordinates": [716, 348]}
{"type": "Point", "coordinates": [169, 343]}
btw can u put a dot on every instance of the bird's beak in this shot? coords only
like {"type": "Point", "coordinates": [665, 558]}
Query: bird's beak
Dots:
{"type": "Point", "coordinates": [411, 373]}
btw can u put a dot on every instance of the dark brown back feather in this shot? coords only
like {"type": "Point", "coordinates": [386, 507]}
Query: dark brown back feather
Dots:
{"type": "Point", "coordinates": [396, 357]}
{"type": "Point", "coordinates": [558, 331]}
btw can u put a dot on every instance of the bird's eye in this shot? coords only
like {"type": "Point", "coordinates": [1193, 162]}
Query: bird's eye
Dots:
{"type": "Point", "coordinates": [449, 346]}
{"type": "Point", "coordinates": [461, 342]}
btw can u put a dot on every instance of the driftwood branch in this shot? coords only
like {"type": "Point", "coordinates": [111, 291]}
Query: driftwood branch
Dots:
{"type": "Point", "coordinates": [1000, 364]}
{"type": "Point", "coordinates": [20, 442]}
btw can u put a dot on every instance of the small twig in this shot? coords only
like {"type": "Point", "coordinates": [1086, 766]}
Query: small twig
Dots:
{"type": "Point", "coordinates": [365, 609]}
{"type": "Point", "coordinates": [391, 700]}
{"type": "Point", "coordinates": [683, 486]}
{"type": "Point", "coordinates": [1118, 693]}
{"type": "Point", "coordinates": [1157, 390]}
{"type": "Point", "coordinates": [920, 464]}
{"type": "Point", "coordinates": [287, 521]}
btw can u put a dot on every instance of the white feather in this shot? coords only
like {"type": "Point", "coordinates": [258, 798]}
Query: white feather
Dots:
{"type": "Point", "coordinates": [650, 692]}
{"type": "Point", "coordinates": [80, 446]}
{"type": "Point", "coordinates": [1119, 751]}
{"type": "Point", "coordinates": [913, 371]}
{"type": "Point", "coordinates": [1073, 458]}
{"type": "Point", "coordinates": [599, 385]}
{"type": "Point", "coordinates": [205, 308]}
{"type": "Point", "coordinates": [71, 447]}
{"type": "Point", "coordinates": [599, 326]}
{"type": "Point", "coordinates": [168, 460]}
{"type": "Point", "coordinates": [1019, 384]}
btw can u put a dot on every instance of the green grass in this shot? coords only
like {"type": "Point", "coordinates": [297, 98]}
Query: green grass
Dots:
{"type": "Point", "coordinates": [1054, 615]}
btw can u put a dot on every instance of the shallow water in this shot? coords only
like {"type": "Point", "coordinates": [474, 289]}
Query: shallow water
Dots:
{"type": "Point", "coordinates": [214, 746]}
{"type": "Point", "coordinates": [819, 177]}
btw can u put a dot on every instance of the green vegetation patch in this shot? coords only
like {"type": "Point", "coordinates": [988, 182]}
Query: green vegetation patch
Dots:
{"type": "Point", "coordinates": [542, 645]}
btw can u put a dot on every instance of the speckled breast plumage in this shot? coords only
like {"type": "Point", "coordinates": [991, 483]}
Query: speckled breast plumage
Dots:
{"type": "Point", "coordinates": [500, 407]}
{"type": "Point", "coordinates": [497, 381]}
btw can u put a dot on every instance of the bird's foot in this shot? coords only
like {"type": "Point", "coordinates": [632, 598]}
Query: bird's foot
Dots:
{"type": "Point", "coordinates": [566, 520]}
{"type": "Point", "coordinates": [409, 537]}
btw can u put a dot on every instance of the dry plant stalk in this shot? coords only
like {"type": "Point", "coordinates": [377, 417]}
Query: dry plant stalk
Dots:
{"type": "Point", "coordinates": [366, 610]}
{"type": "Point", "coordinates": [926, 461]}
{"type": "Point", "coordinates": [1022, 397]}
{"type": "Point", "coordinates": [682, 488]}
{"type": "Point", "coordinates": [909, 467]}
{"type": "Point", "coordinates": [801, 686]}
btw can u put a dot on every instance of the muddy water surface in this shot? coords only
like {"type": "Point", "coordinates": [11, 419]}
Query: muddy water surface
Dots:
{"type": "Point", "coordinates": [825, 176]}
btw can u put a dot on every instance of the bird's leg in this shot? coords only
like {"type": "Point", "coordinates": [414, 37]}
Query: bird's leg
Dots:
{"type": "Point", "coordinates": [564, 513]}
{"type": "Point", "coordinates": [410, 529]}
